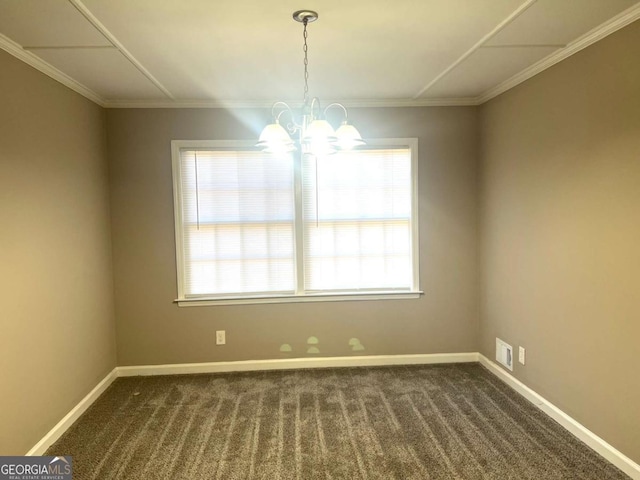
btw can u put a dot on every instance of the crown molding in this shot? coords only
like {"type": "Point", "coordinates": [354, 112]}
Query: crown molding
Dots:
{"type": "Point", "coordinates": [36, 62]}
{"type": "Point", "coordinates": [234, 104]}
{"type": "Point", "coordinates": [607, 28]}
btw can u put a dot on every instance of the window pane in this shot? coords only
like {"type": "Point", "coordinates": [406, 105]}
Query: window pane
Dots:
{"type": "Point", "coordinates": [237, 232]}
{"type": "Point", "coordinates": [358, 233]}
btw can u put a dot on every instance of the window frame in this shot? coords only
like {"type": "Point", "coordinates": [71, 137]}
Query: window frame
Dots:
{"type": "Point", "coordinates": [300, 295]}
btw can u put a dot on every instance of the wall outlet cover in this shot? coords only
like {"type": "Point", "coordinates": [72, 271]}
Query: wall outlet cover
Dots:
{"type": "Point", "coordinates": [521, 354]}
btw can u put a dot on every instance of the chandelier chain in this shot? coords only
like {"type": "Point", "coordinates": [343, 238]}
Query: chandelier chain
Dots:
{"type": "Point", "coordinates": [306, 62]}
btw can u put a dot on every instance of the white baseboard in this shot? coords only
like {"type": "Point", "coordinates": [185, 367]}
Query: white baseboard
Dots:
{"type": "Point", "coordinates": [297, 363]}
{"type": "Point", "coordinates": [592, 440]}
{"type": "Point", "coordinates": [63, 425]}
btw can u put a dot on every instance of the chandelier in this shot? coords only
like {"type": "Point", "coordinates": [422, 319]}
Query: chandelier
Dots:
{"type": "Point", "coordinates": [315, 135]}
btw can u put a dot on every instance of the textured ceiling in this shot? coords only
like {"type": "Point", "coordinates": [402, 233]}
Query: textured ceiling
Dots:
{"type": "Point", "coordinates": [249, 52]}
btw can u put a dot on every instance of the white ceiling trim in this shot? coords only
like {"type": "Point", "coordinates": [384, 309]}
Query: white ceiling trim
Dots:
{"type": "Point", "coordinates": [607, 28]}
{"type": "Point", "coordinates": [528, 45]}
{"type": "Point", "coordinates": [70, 47]}
{"type": "Point", "coordinates": [361, 103]}
{"type": "Point", "coordinates": [114, 41]}
{"type": "Point", "coordinates": [515, 14]}
{"type": "Point", "coordinates": [36, 62]}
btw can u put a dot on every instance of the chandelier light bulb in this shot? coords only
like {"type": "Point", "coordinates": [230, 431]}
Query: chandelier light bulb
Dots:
{"type": "Point", "coordinates": [319, 131]}
{"type": "Point", "coordinates": [275, 139]}
{"type": "Point", "coordinates": [348, 137]}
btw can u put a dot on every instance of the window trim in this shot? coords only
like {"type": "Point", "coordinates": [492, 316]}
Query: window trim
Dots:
{"type": "Point", "coordinates": [185, 301]}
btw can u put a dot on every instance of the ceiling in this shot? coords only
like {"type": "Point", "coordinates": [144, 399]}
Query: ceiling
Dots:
{"type": "Point", "coordinates": [249, 52]}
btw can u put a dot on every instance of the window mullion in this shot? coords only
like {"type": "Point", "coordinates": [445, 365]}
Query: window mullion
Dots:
{"type": "Point", "coordinates": [299, 225]}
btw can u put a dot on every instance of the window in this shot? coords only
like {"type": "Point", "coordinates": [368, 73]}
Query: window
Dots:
{"type": "Point", "coordinates": [256, 227]}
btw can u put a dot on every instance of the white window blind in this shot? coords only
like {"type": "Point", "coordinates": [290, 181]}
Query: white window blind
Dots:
{"type": "Point", "coordinates": [237, 232]}
{"type": "Point", "coordinates": [252, 226]}
{"type": "Point", "coordinates": [358, 236]}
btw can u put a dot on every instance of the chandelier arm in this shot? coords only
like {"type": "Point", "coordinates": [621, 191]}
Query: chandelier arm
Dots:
{"type": "Point", "coordinates": [282, 105]}
{"type": "Point", "coordinates": [315, 102]}
{"type": "Point", "coordinates": [292, 126]}
{"type": "Point", "coordinates": [335, 104]}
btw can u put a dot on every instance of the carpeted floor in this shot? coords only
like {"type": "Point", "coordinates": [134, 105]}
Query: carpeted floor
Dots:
{"type": "Point", "coordinates": [424, 422]}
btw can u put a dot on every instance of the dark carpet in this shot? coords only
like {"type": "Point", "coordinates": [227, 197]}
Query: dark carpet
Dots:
{"type": "Point", "coordinates": [419, 422]}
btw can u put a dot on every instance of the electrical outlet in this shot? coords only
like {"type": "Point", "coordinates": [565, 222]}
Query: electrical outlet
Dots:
{"type": "Point", "coordinates": [221, 337]}
{"type": "Point", "coordinates": [521, 355]}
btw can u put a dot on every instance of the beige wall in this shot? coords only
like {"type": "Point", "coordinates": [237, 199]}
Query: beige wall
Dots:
{"type": "Point", "coordinates": [153, 330]}
{"type": "Point", "coordinates": [58, 330]}
{"type": "Point", "coordinates": [560, 236]}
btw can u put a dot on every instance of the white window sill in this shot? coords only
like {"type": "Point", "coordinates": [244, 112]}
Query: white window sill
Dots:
{"type": "Point", "coordinates": [310, 297]}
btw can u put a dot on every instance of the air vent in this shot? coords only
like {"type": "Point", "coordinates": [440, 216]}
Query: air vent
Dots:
{"type": "Point", "coordinates": [504, 354]}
